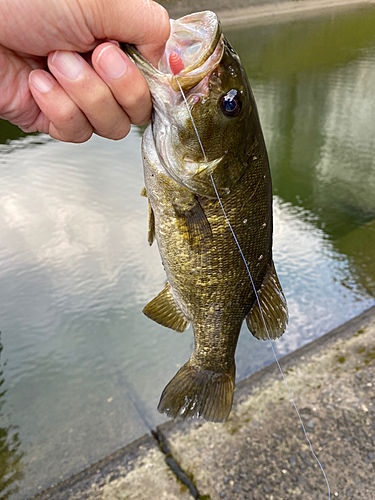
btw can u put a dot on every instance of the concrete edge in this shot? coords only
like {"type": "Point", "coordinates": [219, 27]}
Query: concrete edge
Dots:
{"type": "Point", "coordinates": [114, 465]}
{"type": "Point", "coordinates": [308, 351]}
{"type": "Point", "coordinates": [270, 372]}
{"type": "Point", "coordinates": [95, 474]}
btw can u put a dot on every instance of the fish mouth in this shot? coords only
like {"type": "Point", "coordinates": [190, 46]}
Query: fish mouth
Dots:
{"type": "Point", "coordinates": [198, 45]}
{"type": "Point", "coordinates": [195, 42]}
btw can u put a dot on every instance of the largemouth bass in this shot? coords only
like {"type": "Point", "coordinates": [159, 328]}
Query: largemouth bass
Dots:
{"type": "Point", "coordinates": [208, 284]}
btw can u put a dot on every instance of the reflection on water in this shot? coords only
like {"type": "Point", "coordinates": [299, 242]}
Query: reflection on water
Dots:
{"type": "Point", "coordinates": [84, 369]}
{"type": "Point", "coordinates": [314, 83]}
{"type": "Point", "coordinates": [10, 454]}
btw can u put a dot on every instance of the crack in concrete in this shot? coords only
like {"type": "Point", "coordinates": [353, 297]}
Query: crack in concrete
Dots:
{"type": "Point", "coordinates": [173, 464]}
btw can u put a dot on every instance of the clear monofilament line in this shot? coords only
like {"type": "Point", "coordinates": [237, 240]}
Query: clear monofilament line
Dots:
{"type": "Point", "coordinates": [255, 291]}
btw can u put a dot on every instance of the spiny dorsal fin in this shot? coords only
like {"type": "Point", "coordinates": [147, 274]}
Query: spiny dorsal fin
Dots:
{"type": "Point", "coordinates": [151, 225]}
{"type": "Point", "coordinates": [274, 308]}
{"type": "Point", "coordinates": [164, 310]}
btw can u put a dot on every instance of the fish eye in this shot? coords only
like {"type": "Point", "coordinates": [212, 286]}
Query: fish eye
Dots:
{"type": "Point", "coordinates": [230, 103]}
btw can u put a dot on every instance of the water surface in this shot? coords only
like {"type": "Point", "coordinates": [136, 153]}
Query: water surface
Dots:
{"type": "Point", "coordinates": [81, 368]}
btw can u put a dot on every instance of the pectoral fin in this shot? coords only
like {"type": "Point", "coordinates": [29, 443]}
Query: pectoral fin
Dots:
{"type": "Point", "coordinates": [194, 220]}
{"type": "Point", "coordinates": [199, 228]}
{"type": "Point", "coordinates": [151, 219]}
{"type": "Point", "coordinates": [164, 310]}
{"type": "Point", "coordinates": [274, 309]}
{"type": "Point", "coordinates": [151, 225]}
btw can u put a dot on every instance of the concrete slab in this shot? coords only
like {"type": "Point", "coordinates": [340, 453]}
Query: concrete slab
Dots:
{"type": "Point", "coordinates": [261, 451]}
{"type": "Point", "coordinates": [138, 471]}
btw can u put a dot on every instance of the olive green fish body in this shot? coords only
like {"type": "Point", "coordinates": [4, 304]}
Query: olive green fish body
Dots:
{"type": "Point", "coordinates": [208, 283]}
{"type": "Point", "coordinates": [207, 278]}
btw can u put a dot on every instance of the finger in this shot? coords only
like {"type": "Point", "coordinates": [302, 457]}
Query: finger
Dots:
{"type": "Point", "coordinates": [90, 93]}
{"type": "Point", "coordinates": [125, 81]}
{"type": "Point", "coordinates": [148, 29]}
{"type": "Point", "coordinates": [16, 102]}
{"type": "Point", "coordinates": [60, 117]}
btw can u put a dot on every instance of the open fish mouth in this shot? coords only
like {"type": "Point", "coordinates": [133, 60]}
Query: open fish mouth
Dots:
{"type": "Point", "coordinates": [180, 82]}
{"type": "Point", "coordinates": [193, 50]}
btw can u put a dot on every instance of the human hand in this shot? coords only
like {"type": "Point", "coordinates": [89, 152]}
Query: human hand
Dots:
{"type": "Point", "coordinates": [75, 98]}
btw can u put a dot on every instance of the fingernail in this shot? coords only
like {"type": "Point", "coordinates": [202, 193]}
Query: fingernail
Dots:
{"type": "Point", "coordinates": [68, 63]}
{"type": "Point", "coordinates": [112, 61]}
{"type": "Point", "coordinates": [114, 42]}
{"type": "Point", "coordinates": [41, 81]}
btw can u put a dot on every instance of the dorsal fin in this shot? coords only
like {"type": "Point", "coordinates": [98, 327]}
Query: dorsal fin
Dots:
{"type": "Point", "coordinates": [274, 309]}
{"type": "Point", "coordinates": [144, 192]}
{"type": "Point", "coordinates": [164, 310]}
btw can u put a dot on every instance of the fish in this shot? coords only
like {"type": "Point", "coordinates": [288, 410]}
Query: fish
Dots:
{"type": "Point", "coordinates": [200, 89]}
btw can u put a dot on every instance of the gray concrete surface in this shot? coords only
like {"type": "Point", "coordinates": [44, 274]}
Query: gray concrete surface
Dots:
{"type": "Point", "coordinates": [261, 452]}
{"type": "Point", "coordinates": [138, 471]}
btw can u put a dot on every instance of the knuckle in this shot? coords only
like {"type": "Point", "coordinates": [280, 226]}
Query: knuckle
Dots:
{"type": "Point", "coordinates": [82, 137]}
{"type": "Point", "coordinates": [117, 133]}
{"type": "Point", "coordinates": [142, 120]}
{"type": "Point", "coordinates": [39, 124]}
{"type": "Point", "coordinates": [121, 132]}
{"type": "Point", "coordinates": [164, 22]}
{"type": "Point", "coordinates": [98, 99]}
{"type": "Point", "coordinates": [138, 97]}
{"type": "Point", "coordinates": [66, 112]}
{"type": "Point", "coordinates": [162, 28]}
{"type": "Point", "coordinates": [77, 135]}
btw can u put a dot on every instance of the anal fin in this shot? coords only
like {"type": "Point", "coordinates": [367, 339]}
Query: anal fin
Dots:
{"type": "Point", "coordinates": [164, 310]}
{"type": "Point", "coordinates": [274, 309]}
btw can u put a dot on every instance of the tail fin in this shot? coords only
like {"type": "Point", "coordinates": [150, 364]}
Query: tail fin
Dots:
{"type": "Point", "coordinates": [195, 392]}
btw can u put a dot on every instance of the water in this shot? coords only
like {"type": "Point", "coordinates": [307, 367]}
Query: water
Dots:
{"type": "Point", "coordinates": [81, 368]}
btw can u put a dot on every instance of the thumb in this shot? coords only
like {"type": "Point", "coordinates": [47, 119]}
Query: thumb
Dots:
{"type": "Point", "coordinates": [143, 23]}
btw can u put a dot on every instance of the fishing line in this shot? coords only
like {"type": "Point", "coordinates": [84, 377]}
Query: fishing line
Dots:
{"type": "Point", "coordinates": [255, 291]}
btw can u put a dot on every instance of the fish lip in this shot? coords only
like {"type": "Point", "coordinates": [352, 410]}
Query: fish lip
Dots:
{"type": "Point", "coordinates": [190, 75]}
{"type": "Point", "coordinates": [133, 53]}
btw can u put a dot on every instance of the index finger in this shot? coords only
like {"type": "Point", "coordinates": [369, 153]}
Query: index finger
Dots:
{"type": "Point", "coordinates": [143, 23]}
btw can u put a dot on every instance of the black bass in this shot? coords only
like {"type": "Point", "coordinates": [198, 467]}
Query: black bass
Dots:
{"type": "Point", "coordinates": [208, 284]}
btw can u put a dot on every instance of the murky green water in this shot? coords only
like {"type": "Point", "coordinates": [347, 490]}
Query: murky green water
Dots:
{"type": "Point", "coordinates": [81, 368]}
